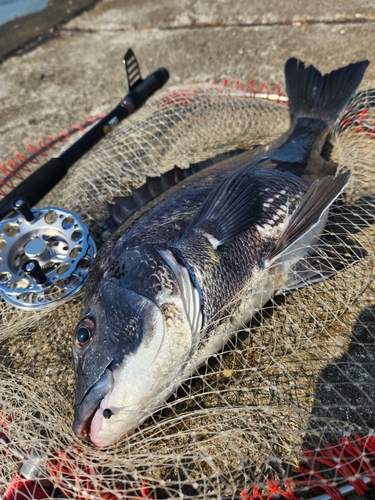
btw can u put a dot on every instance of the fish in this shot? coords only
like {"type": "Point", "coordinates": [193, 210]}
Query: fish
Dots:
{"type": "Point", "coordinates": [196, 253]}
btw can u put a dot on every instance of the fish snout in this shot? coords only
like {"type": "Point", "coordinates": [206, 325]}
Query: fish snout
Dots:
{"type": "Point", "coordinates": [85, 410]}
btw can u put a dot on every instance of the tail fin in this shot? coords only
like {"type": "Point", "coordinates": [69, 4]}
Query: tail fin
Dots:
{"type": "Point", "coordinates": [313, 95]}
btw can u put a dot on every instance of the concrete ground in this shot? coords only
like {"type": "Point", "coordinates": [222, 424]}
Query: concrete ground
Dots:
{"type": "Point", "coordinates": [56, 72]}
{"type": "Point", "coordinates": [75, 70]}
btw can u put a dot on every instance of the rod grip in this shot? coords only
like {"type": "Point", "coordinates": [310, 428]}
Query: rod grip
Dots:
{"type": "Point", "coordinates": [36, 186]}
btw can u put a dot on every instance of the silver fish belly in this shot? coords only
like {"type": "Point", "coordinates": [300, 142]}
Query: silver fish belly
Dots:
{"type": "Point", "coordinates": [192, 266]}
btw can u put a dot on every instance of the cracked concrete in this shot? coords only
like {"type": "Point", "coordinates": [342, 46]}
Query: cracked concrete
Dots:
{"type": "Point", "coordinates": [112, 14]}
{"type": "Point", "coordinates": [76, 71]}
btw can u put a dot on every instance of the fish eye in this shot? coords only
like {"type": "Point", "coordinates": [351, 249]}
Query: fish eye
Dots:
{"type": "Point", "coordinates": [84, 332]}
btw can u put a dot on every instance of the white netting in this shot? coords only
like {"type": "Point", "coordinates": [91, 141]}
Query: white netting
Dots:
{"type": "Point", "coordinates": [301, 375]}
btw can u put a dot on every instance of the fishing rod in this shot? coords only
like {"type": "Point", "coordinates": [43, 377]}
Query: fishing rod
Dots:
{"type": "Point", "coordinates": [45, 253]}
{"type": "Point", "coordinates": [38, 184]}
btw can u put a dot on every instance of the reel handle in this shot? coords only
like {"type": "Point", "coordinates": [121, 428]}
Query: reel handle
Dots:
{"type": "Point", "coordinates": [32, 268]}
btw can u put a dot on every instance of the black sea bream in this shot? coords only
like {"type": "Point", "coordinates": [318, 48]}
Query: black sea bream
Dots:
{"type": "Point", "coordinates": [194, 264]}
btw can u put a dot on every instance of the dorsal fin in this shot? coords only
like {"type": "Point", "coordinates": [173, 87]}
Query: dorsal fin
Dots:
{"type": "Point", "coordinates": [125, 206]}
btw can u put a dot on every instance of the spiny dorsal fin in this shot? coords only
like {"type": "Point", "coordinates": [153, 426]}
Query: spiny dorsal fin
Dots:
{"type": "Point", "coordinates": [125, 206]}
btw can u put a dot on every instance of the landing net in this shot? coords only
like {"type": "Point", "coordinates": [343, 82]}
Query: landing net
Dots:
{"type": "Point", "coordinates": [287, 407]}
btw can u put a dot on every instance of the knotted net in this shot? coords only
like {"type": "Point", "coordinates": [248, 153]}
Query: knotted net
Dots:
{"type": "Point", "coordinates": [286, 407]}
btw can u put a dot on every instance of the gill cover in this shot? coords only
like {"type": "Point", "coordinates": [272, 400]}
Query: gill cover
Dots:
{"type": "Point", "coordinates": [123, 320]}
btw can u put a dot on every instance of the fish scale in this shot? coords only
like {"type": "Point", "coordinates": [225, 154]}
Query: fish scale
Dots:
{"type": "Point", "coordinates": [195, 257]}
{"type": "Point", "coordinates": [239, 258]}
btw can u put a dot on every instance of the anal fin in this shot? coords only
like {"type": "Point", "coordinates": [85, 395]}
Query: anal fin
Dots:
{"type": "Point", "coordinates": [325, 261]}
{"type": "Point", "coordinates": [317, 200]}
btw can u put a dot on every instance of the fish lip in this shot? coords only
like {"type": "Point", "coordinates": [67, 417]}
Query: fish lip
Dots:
{"type": "Point", "coordinates": [86, 409]}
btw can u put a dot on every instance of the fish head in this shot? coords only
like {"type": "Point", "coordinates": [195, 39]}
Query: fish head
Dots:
{"type": "Point", "coordinates": [129, 347]}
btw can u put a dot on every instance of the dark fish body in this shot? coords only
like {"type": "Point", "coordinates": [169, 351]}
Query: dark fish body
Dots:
{"type": "Point", "coordinates": [193, 265]}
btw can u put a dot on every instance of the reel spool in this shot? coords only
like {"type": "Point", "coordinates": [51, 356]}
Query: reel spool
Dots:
{"type": "Point", "coordinates": [45, 255]}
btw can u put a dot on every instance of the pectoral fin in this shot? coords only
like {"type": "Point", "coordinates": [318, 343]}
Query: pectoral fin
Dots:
{"type": "Point", "coordinates": [236, 204]}
{"type": "Point", "coordinates": [231, 208]}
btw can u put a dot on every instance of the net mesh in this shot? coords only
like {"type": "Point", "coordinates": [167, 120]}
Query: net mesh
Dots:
{"type": "Point", "coordinates": [287, 406]}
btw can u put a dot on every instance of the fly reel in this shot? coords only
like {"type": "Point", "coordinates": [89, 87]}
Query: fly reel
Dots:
{"type": "Point", "coordinates": [45, 255]}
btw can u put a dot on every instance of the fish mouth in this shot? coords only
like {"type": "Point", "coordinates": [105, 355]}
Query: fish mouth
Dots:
{"type": "Point", "coordinates": [86, 409]}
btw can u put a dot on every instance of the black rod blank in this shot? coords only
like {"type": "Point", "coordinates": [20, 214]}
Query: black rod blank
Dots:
{"type": "Point", "coordinates": [38, 184]}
